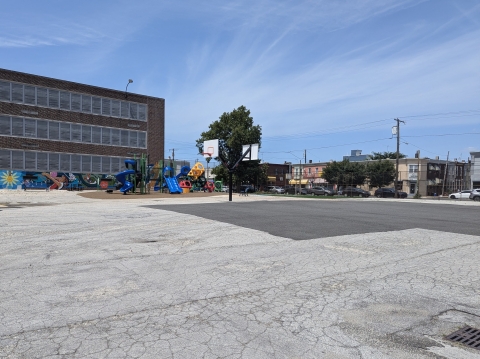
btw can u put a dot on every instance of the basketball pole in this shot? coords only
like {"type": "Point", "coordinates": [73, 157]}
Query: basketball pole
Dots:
{"type": "Point", "coordinates": [232, 169]}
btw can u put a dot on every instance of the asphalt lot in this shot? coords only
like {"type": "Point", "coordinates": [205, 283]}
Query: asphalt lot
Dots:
{"type": "Point", "coordinates": [90, 278]}
{"type": "Point", "coordinates": [308, 219]}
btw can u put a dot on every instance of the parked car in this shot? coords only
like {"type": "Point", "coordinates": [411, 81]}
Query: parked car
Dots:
{"type": "Point", "coordinates": [290, 190]}
{"type": "Point", "coordinates": [319, 191]}
{"type": "Point", "coordinates": [331, 189]}
{"type": "Point", "coordinates": [304, 191]}
{"type": "Point", "coordinates": [224, 188]}
{"type": "Point", "coordinates": [355, 192]}
{"type": "Point", "coordinates": [275, 189]}
{"type": "Point", "coordinates": [389, 192]}
{"type": "Point", "coordinates": [461, 194]}
{"type": "Point", "coordinates": [475, 195]}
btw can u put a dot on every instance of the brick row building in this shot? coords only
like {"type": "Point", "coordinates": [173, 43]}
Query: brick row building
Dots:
{"type": "Point", "coordinates": [54, 126]}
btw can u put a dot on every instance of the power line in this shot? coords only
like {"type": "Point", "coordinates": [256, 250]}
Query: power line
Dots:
{"type": "Point", "coordinates": [323, 147]}
{"type": "Point", "coordinates": [446, 134]}
{"type": "Point", "coordinates": [322, 132]}
{"type": "Point", "coordinates": [466, 112]}
{"type": "Point", "coordinates": [362, 126]}
{"type": "Point", "coordinates": [411, 144]}
{"type": "Point", "coordinates": [355, 127]}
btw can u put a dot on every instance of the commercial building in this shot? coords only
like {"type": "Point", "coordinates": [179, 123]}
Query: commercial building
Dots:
{"type": "Point", "coordinates": [278, 174]}
{"type": "Point", "coordinates": [432, 176]}
{"type": "Point", "coordinates": [474, 170]}
{"type": "Point", "coordinates": [55, 133]}
{"type": "Point", "coordinates": [309, 174]}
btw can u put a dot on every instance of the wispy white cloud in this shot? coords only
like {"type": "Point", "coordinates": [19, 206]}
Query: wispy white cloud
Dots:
{"type": "Point", "coordinates": [48, 32]}
{"type": "Point", "coordinates": [306, 14]}
{"type": "Point", "coordinates": [338, 88]}
{"type": "Point", "coordinates": [106, 22]}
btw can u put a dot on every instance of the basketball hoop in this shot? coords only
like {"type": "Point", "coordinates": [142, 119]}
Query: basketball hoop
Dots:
{"type": "Point", "coordinates": [207, 154]}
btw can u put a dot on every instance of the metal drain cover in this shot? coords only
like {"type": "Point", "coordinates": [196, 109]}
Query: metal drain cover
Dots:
{"type": "Point", "coordinates": [468, 336]}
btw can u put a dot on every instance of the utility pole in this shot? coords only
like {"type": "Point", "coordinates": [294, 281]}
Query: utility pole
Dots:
{"type": "Point", "coordinates": [445, 174]}
{"type": "Point", "coordinates": [300, 181]}
{"type": "Point", "coordinates": [305, 158]}
{"type": "Point", "coordinates": [398, 154]}
{"type": "Point", "coordinates": [173, 160]}
{"type": "Point", "coordinates": [418, 173]}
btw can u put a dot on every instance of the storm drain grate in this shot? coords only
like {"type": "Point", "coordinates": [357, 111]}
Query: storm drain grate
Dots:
{"type": "Point", "coordinates": [468, 336]}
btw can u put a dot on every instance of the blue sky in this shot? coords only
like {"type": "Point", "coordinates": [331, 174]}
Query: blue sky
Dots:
{"type": "Point", "coordinates": [322, 76]}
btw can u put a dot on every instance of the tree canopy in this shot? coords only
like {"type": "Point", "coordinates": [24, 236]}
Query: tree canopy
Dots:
{"type": "Point", "coordinates": [345, 173]}
{"type": "Point", "coordinates": [234, 129]}
{"type": "Point", "coordinates": [385, 155]}
{"type": "Point", "coordinates": [380, 173]}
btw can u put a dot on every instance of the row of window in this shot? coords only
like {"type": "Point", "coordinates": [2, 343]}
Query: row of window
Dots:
{"type": "Point", "coordinates": [70, 101]}
{"type": "Point", "coordinates": [64, 131]}
{"type": "Point", "coordinates": [63, 162]}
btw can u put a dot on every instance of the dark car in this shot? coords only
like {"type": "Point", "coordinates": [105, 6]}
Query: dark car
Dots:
{"type": "Point", "coordinates": [319, 191]}
{"type": "Point", "coordinates": [290, 190]}
{"type": "Point", "coordinates": [303, 191]}
{"type": "Point", "coordinates": [389, 192]}
{"type": "Point", "coordinates": [355, 192]}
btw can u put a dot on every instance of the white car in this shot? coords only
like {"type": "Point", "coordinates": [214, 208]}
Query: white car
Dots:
{"type": "Point", "coordinates": [224, 188]}
{"type": "Point", "coordinates": [276, 189]}
{"type": "Point", "coordinates": [461, 194]}
{"type": "Point", "coordinates": [475, 195]}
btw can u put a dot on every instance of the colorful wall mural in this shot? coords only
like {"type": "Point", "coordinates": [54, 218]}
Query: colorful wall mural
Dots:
{"type": "Point", "coordinates": [54, 180]}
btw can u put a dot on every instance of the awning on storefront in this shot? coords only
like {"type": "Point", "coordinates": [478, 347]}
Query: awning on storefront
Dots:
{"type": "Point", "coordinates": [294, 182]}
{"type": "Point", "coordinates": [272, 178]}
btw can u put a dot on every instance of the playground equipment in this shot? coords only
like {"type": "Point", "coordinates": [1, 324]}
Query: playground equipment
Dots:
{"type": "Point", "coordinates": [218, 186]}
{"type": "Point", "coordinates": [185, 185]}
{"type": "Point", "coordinates": [187, 180]}
{"type": "Point", "coordinates": [157, 176]}
{"type": "Point", "coordinates": [172, 182]}
{"type": "Point", "coordinates": [122, 178]}
{"type": "Point", "coordinates": [137, 174]}
{"type": "Point", "coordinates": [210, 186]}
{"type": "Point", "coordinates": [196, 171]}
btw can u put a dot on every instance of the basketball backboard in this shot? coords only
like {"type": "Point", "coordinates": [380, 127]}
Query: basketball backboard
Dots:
{"type": "Point", "coordinates": [253, 155]}
{"type": "Point", "coordinates": [210, 148]}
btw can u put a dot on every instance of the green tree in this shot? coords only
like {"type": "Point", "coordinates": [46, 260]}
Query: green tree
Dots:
{"type": "Point", "coordinates": [385, 156]}
{"type": "Point", "coordinates": [380, 173]}
{"type": "Point", "coordinates": [345, 173]}
{"type": "Point", "coordinates": [234, 129]}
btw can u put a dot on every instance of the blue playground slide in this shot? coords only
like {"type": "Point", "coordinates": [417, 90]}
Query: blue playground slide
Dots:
{"type": "Point", "coordinates": [122, 178]}
{"type": "Point", "coordinates": [171, 182]}
{"type": "Point", "coordinates": [173, 186]}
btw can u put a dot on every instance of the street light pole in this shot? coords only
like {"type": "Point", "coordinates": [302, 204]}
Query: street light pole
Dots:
{"type": "Point", "coordinates": [126, 87]}
{"type": "Point", "coordinates": [398, 156]}
{"type": "Point", "coordinates": [300, 176]}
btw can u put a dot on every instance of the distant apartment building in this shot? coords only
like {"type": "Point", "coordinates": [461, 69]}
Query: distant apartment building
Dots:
{"type": "Point", "coordinates": [278, 174]}
{"type": "Point", "coordinates": [356, 156]}
{"type": "Point", "coordinates": [308, 175]}
{"type": "Point", "coordinates": [432, 176]}
{"type": "Point", "coordinates": [475, 170]}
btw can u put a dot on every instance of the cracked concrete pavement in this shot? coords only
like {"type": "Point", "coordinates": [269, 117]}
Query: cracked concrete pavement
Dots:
{"type": "Point", "coordinates": [85, 278]}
